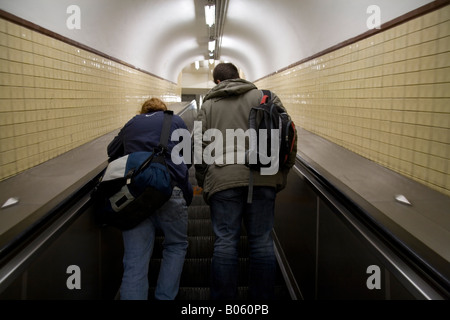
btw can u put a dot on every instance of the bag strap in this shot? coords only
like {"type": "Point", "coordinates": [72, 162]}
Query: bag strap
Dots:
{"type": "Point", "coordinates": [165, 131]}
{"type": "Point", "coordinates": [266, 96]}
{"type": "Point", "coordinates": [163, 142]}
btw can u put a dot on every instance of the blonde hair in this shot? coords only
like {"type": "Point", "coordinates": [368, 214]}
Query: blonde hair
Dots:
{"type": "Point", "coordinates": [153, 104]}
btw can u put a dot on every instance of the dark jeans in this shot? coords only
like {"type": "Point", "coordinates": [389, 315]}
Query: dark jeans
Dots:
{"type": "Point", "coordinates": [228, 209]}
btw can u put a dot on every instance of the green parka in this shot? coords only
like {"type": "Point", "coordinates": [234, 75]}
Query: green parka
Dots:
{"type": "Point", "coordinates": [227, 106]}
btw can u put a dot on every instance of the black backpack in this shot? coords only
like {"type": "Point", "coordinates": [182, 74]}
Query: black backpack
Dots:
{"type": "Point", "coordinates": [268, 115]}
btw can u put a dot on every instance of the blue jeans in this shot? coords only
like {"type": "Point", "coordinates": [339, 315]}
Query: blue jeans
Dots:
{"type": "Point", "coordinates": [229, 208]}
{"type": "Point", "coordinates": [172, 219]}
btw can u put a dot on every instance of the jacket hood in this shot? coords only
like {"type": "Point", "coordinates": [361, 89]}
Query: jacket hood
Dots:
{"type": "Point", "coordinates": [230, 87]}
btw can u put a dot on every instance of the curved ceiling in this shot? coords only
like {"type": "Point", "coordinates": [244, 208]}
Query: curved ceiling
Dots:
{"type": "Point", "coordinates": [164, 36]}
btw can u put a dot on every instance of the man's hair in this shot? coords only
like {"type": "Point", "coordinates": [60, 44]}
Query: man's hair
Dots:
{"type": "Point", "coordinates": [153, 104]}
{"type": "Point", "coordinates": [224, 71]}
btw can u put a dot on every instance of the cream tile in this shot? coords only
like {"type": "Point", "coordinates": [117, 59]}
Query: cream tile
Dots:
{"type": "Point", "coordinates": [443, 14]}
{"type": "Point", "coordinates": [430, 19]}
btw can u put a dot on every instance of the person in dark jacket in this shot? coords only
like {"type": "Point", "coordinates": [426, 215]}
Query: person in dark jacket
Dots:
{"type": "Point", "coordinates": [142, 133]}
{"type": "Point", "coordinates": [225, 189]}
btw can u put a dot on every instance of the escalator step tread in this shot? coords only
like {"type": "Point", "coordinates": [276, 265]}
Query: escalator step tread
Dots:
{"type": "Point", "coordinates": [199, 212]}
{"type": "Point", "coordinates": [198, 200]}
{"type": "Point", "coordinates": [200, 227]}
{"type": "Point", "coordinates": [203, 293]}
{"type": "Point", "coordinates": [196, 272]}
{"type": "Point", "coordinates": [199, 293]}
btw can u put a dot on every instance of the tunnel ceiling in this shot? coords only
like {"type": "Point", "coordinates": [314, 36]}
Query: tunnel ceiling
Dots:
{"type": "Point", "coordinates": [164, 36]}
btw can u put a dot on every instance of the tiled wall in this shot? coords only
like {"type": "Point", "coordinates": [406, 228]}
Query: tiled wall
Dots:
{"type": "Point", "coordinates": [55, 97]}
{"type": "Point", "coordinates": [386, 97]}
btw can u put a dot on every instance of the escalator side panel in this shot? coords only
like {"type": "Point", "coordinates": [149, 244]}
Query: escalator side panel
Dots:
{"type": "Point", "coordinates": [97, 252]}
{"type": "Point", "coordinates": [345, 262]}
{"type": "Point", "coordinates": [327, 255]}
{"type": "Point", "coordinates": [295, 227]}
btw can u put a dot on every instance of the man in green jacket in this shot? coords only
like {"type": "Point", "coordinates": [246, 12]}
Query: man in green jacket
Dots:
{"type": "Point", "coordinates": [225, 184]}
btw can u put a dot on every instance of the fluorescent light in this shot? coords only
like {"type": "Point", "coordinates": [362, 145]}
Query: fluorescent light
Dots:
{"type": "Point", "coordinates": [212, 45]}
{"type": "Point", "coordinates": [197, 65]}
{"type": "Point", "coordinates": [210, 15]}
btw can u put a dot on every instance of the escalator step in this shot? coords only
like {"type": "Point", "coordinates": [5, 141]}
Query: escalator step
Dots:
{"type": "Point", "coordinates": [200, 227]}
{"type": "Point", "coordinates": [193, 293]}
{"type": "Point", "coordinates": [199, 212]}
{"type": "Point", "coordinates": [199, 293]}
{"type": "Point", "coordinates": [196, 272]}
{"type": "Point", "coordinates": [198, 200]}
{"type": "Point", "coordinates": [203, 293]}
